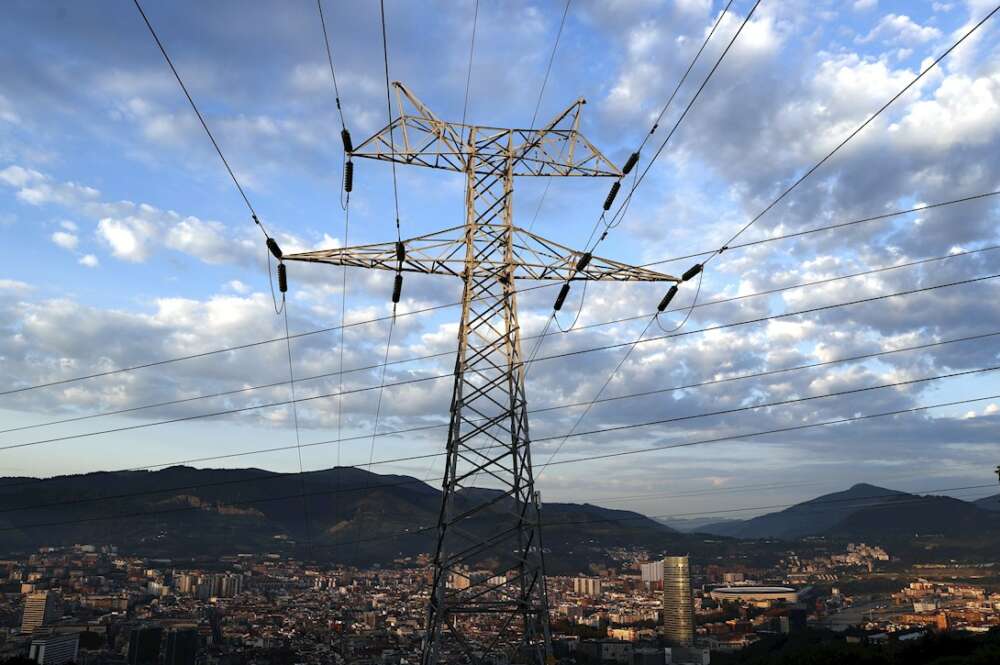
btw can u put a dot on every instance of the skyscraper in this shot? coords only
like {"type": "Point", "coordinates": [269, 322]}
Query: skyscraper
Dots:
{"type": "Point", "coordinates": [678, 606]}
{"type": "Point", "coordinates": [40, 609]}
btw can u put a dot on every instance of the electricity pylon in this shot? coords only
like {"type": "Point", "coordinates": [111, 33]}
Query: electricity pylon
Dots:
{"type": "Point", "coordinates": [488, 563]}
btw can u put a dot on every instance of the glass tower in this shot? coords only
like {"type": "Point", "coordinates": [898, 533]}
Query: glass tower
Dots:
{"type": "Point", "coordinates": [678, 607]}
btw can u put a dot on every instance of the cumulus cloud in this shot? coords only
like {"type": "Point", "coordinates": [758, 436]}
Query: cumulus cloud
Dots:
{"type": "Point", "coordinates": [900, 29]}
{"type": "Point", "coordinates": [794, 85]}
{"type": "Point", "coordinates": [89, 261]}
{"type": "Point", "coordinates": [65, 239]}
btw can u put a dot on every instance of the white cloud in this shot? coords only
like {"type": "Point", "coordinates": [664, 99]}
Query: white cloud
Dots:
{"type": "Point", "coordinates": [69, 226]}
{"type": "Point", "coordinates": [238, 287]}
{"type": "Point", "coordinates": [89, 261]}
{"type": "Point", "coordinates": [65, 239]}
{"type": "Point", "coordinates": [864, 5]}
{"type": "Point", "coordinates": [900, 29]}
{"type": "Point", "coordinates": [963, 111]}
{"type": "Point", "coordinates": [14, 285]}
{"type": "Point", "coordinates": [128, 238]}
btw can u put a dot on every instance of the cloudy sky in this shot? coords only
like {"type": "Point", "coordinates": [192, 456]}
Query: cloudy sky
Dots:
{"type": "Point", "coordinates": [125, 241]}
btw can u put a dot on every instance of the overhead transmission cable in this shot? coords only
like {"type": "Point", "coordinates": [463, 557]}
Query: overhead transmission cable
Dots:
{"type": "Point", "coordinates": [348, 186]}
{"type": "Point", "coordinates": [854, 133]}
{"type": "Point", "coordinates": [538, 104]}
{"type": "Point", "coordinates": [563, 462]}
{"type": "Point", "coordinates": [271, 244]}
{"type": "Point", "coordinates": [432, 308]}
{"type": "Point", "coordinates": [533, 354]}
{"type": "Point", "coordinates": [570, 405]}
{"type": "Point", "coordinates": [468, 75]}
{"type": "Point", "coordinates": [565, 354]}
{"type": "Point", "coordinates": [674, 419]}
{"type": "Point", "coordinates": [634, 158]}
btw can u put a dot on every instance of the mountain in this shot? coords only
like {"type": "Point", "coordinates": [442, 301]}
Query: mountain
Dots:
{"type": "Point", "coordinates": [342, 514]}
{"type": "Point", "coordinates": [989, 502]}
{"type": "Point", "coordinates": [804, 519]}
{"type": "Point", "coordinates": [867, 511]}
{"type": "Point", "coordinates": [916, 516]}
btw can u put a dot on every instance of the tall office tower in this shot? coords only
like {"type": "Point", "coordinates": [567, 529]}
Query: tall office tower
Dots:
{"type": "Point", "coordinates": [144, 645]}
{"type": "Point", "coordinates": [678, 606]}
{"type": "Point", "coordinates": [40, 609]}
{"type": "Point", "coordinates": [182, 647]}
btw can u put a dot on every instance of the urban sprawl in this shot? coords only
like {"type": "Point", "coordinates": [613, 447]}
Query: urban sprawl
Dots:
{"type": "Point", "coordinates": [93, 604]}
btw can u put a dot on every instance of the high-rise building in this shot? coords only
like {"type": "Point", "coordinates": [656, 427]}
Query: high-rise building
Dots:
{"type": "Point", "coordinates": [592, 587]}
{"type": "Point", "coordinates": [678, 605]}
{"type": "Point", "coordinates": [652, 572]}
{"type": "Point", "coordinates": [182, 647]}
{"type": "Point", "coordinates": [40, 609]}
{"type": "Point", "coordinates": [144, 645]}
{"type": "Point", "coordinates": [54, 649]}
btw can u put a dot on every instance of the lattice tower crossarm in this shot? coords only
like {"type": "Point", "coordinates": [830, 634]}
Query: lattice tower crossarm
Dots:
{"type": "Point", "coordinates": [488, 601]}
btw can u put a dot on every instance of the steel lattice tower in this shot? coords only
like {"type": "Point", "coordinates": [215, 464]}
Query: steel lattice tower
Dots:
{"type": "Point", "coordinates": [488, 600]}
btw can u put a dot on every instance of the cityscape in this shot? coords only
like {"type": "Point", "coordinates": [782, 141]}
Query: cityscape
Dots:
{"type": "Point", "coordinates": [500, 332]}
{"type": "Point", "coordinates": [94, 604]}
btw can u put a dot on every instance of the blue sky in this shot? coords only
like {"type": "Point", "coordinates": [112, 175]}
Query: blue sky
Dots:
{"type": "Point", "coordinates": [126, 241]}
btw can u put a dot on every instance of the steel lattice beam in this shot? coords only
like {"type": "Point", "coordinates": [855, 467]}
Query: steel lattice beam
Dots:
{"type": "Point", "coordinates": [488, 601]}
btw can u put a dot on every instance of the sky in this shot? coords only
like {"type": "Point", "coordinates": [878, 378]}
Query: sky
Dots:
{"type": "Point", "coordinates": [125, 241]}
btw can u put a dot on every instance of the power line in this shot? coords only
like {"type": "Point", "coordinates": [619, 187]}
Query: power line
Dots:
{"type": "Point", "coordinates": [827, 227]}
{"type": "Point", "coordinates": [548, 68]}
{"type": "Point", "coordinates": [419, 529]}
{"type": "Point", "coordinates": [388, 108]}
{"type": "Point", "coordinates": [345, 204]}
{"type": "Point", "coordinates": [201, 119]}
{"type": "Point", "coordinates": [378, 403]}
{"type": "Point", "coordinates": [687, 72]}
{"type": "Point", "coordinates": [597, 395]}
{"type": "Point", "coordinates": [472, 50]}
{"type": "Point", "coordinates": [656, 123]}
{"type": "Point", "coordinates": [779, 430]}
{"type": "Point", "coordinates": [329, 58]}
{"type": "Point", "coordinates": [787, 402]}
{"type": "Point", "coordinates": [549, 357]}
{"type": "Point", "coordinates": [538, 104]}
{"type": "Point", "coordinates": [239, 347]}
{"type": "Point", "coordinates": [293, 402]}
{"type": "Point", "coordinates": [619, 213]}
{"type": "Point", "coordinates": [854, 133]}
{"type": "Point", "coordinates": [525, 290]}
{"type": "Point", "coordinates": [742, 409]}
{"type": "Point", "coordinates": [570, 405]}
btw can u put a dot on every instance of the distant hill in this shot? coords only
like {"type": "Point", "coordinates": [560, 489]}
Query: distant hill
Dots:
{"type": "Point", "coordinates": [916, 516]}
{"type": "Point", "coordinates": [181, 511]}
{"type": "Point", "coordinates": [868, 511]}
{"type": "Point", "coordinates": [989, 502]}
{"type": "Point", "coordinates": [807, 518]}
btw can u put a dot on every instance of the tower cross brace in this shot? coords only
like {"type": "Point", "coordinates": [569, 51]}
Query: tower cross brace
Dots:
{"type": "Point", "coordinates": [488, 600]}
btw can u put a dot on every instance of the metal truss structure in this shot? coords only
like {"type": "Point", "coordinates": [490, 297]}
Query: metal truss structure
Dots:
{"type": "Point", "coordinates": [488, 600]}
